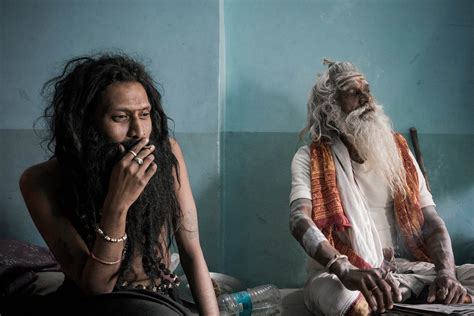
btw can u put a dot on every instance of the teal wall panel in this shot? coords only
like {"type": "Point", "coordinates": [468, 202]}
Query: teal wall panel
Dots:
{"type": "Point", "coordinates": [201, 155]}
{"type": "Point", "coordinates": [23, 151]}
{"type": "Point", "coordinates": [258, 245]}
{"type": "Point", "coordinates": [178, 40]}
{"type": "Point", "coordinates": [417, 56]}
{"type": "Point", "coordinates": [450, 168]}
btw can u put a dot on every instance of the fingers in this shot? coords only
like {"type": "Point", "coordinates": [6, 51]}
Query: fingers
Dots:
{"type": "Point", "coordinates": [446, 290]}
{"type": "Point", "coordinates": [432, 293]}
{"type": "Point", "coordinates": [147, 164]}
{"type": "Point", "coordinates": [449, 297]}
{"type": "Point", "coordinates": [139, 160]}
{"type": "Point", "coordinates": [142, 158]}
{"type": "Point", "coordinates": [368, 296]}
{"type": "Point", "coordinates": [457, 298]}
{"type": "Point", "coordinates": [456, 294]}
{"type": "Point", "coordinates": [464, 297]}
{"type": "Point", "coordinates": [380, 291]}
{"type": "Point", "coordinates": [148, 167]}
{"type": "Point", "coordinates": [150, 171]}
{"type": "Point", "coordinates": [138, 147]}
{"type": "Point", "coordinates": [379, 297]}
{"type": "Point", "coordinates": [438, 291]}
{"type": "Point", "coordinates": [397, 294]}
{"type": "Point", "coordinates": [377, 291]}
{"type": "Point", "coordinates": [386, 295]}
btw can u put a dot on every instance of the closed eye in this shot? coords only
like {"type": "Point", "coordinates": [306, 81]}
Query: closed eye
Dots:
{"type": "Point", "coordinates": [145, 114]}
{"type": "Point", "coordinates": [352, 93]}
{"type": "Point", "coordinates": [119, 118]}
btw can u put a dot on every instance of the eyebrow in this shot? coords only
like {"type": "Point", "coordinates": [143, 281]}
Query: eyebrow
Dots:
{"type": "Point", "coordinates": [352, 86]}
{"type": "Point", "coordinates": [126, 109]}
{"type": "Point", "coordinates": [341, 83]}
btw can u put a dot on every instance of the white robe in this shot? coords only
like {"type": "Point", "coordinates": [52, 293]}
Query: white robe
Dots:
{"type": "Point", "coordinates": [368, 205]}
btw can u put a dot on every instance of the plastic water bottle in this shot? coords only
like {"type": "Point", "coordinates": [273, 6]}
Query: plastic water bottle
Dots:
{"type": "Point", "coordinates": [261, 300]}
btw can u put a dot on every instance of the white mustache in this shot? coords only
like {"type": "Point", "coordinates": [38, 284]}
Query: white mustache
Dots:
{"type": "Point", "coordinates": [358, 112]}
{"type": "Point", "coordinates": [356, 117]}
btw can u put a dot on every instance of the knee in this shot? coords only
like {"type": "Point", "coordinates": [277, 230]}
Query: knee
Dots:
{"type": "Point", "coordinates": [327, 295]}
{"type": "Point", "coordinates": [360, 307]}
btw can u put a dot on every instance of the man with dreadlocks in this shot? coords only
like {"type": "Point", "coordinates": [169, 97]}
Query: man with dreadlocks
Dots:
{"type": "Point", "coordinates": [359, 200]}
{"type": "Point", "coordinates": [115, 193]}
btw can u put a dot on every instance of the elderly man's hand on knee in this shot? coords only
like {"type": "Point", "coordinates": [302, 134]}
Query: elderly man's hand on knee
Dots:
{"type": "Point", "coordinates": [378, 287]}
{"type": "Point", "coordinates": [446, 289]}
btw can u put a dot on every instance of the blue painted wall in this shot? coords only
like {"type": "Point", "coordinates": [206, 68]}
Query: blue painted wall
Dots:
{"type": "Point", "coordinates": [418, 56]}
{"type": "Point", "coordinates": [239, 131]}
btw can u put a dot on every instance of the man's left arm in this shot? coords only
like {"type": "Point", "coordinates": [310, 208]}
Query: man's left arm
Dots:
{"type": "Point", "coordinates": [187, 238]}
{"type": "Point", "coordinates": [445, 287]}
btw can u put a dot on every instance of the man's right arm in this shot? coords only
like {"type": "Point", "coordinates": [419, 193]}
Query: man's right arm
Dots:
{"type": "Point", "coordinates": [39, 186]}
{"type": "Point", "coordinates": [302, 226]}
{"type": "Point", "coordinates": [317, 247]}
{"type": "Point", "coordinates": [376, 290]}
{"type": "Point", "coordinates": [94, 271]}
{"type": "Point", "coordinates": [307, 234]}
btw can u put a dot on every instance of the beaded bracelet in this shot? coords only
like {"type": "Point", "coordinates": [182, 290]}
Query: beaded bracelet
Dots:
{"type": "Point", "coordinates": [104, 236]}
{"type": "Point", "coordinates": [333, 260]}
{"type": "Point", "coordinates": [109, 263]}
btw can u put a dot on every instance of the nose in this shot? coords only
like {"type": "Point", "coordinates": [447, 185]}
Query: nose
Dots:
{"type": "Point", "coordinates": [364, 97]}
{"type": "Point", "coordinates": [136, 129]}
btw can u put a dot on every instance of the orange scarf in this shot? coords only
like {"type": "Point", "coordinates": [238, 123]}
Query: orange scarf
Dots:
{"type": "Point", "coordinates": [328, 213]}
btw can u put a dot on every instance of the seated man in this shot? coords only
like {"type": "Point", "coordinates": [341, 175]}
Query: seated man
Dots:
{"type": "Point", "coordinates": [358, 197]}
{"type": "Point", "coordinates": [115, 193]}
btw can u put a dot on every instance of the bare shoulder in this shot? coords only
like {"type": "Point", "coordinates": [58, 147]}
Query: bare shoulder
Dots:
{"type": "Point", "coordinates": [173, 141]}
{"type": "Point", "coordinates": [40, 186]}
{"type": "Point", "coordinates": [47, 171]}
{"type": "Point", "coordinates": [41, 179]}
{"type": "Point", "coordinates": [175, 148]}
{"type": "Point", "coordinates": [183, 187]}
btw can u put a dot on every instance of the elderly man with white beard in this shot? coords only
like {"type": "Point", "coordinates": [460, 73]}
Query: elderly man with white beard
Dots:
{"type": "Point", "coordinates": [360, 208]}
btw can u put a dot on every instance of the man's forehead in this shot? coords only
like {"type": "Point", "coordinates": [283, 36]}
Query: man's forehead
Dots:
{"type": "Point", "coordinates": [125, 95]}
{"type": "Point", "coordinates": [351, 81]}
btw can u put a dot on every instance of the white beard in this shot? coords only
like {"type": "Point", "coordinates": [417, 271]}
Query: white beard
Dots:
{"type": "Point", "coordinates": [371, 135]}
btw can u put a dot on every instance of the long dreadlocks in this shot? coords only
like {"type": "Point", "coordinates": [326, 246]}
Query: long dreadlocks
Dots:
{"type": "Point", "coordinates": [86, 157]}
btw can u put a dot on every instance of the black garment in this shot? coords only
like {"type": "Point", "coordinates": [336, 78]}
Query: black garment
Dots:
{"type": "Point", "coordinates": [118, 303]}
{"type": "Point", "coordinates": [132, 302]}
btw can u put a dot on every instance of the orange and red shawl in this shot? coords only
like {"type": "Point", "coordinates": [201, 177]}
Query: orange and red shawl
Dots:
{"type": "Point", "coordinates": [328, 213]}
